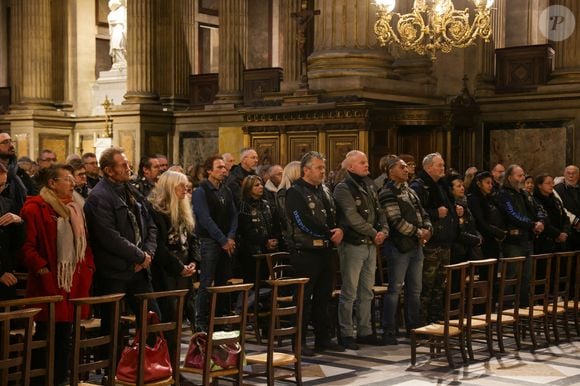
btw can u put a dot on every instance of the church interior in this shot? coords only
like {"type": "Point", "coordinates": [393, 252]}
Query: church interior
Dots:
{"type": "Point", "coordinates": [195, 78]}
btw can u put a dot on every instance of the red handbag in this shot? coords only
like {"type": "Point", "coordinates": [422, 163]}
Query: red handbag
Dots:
{"type": "Point", "coordinates": [225, 356]}
{"type": "Point", "coordinates": [157, 363]}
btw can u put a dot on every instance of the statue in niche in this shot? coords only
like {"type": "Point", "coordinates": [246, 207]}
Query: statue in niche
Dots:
{"type": "Point", "coordinates": [118, 31]}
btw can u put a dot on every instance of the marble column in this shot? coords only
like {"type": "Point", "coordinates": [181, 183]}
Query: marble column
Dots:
{"type": "Point", "coordinates": [485, 80]}
{"type": "Point", "coordinates": [141, 85]}
{"type": "Point", "coordinates": [233, 16]}
{"type": "Point", "coordinates": [291, 53]}
{"type": "Point", "coordinates": [345, 43]}
{"type": "Point", "coordinates": [567, 59]}
{"type": "Point", "coordinates": [33, 32]}
{"type": "Point", "coordinates": [173, 60]}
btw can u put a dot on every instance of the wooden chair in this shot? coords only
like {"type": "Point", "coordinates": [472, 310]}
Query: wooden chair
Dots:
{"type": "Point", "coordinates": [255, 315]}
{"type": "Point", "coordinates": [573, 303]}
{"type": "Point", "coordinates": [379, 290]}
{"type": "Point", "coordinates": [240, 320]}
{"type": "Point", "coordinates": [560, 292]}
{"type": "Point", "coordinates": [148, 328]}
{"type": "Point", "coordinates": [440, 334]}
{"type": "Point", "coordinates": [15, 358]}
{"type": "Point", "coordinates": [47, 345]}
{"type": "Point", "coordinates": [508, 299]}
{"type": "Point", "coordinates": [82, 342]}
{"type": "Point", "coordinates": [479, 293]}
{"type": "Point", "coordinates": [279, 267]}
{"type": "Point", "coordinates": [538, 295]}
{"type": "Point", "coordinates": [280, 308]}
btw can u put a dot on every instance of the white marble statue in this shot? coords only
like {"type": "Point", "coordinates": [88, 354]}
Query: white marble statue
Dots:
{"type": "Point", "coordinates": [118, 31]}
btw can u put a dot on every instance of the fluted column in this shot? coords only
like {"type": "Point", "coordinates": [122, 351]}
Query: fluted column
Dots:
{"type": "Point", "coordinates": [233, 16]}
{"type": "Point", "coordinates": [140, 52]}
{"type": "Point", "coordinates": [36, 53]}
{"type": "Point", "coordinates": [567, 60]}
{"type": "Point", "coordinates": [16, 52]}
{"type": "Point", "coordinates": [172, 53]}
{"type": "Point", "coordinates": [345, 43]}
{"type": "Point", "coordinates": [60, 53]}
{"type": "Point", "coordinates": [486, 76]}
{"type": "Point", "coordinates": [291, 53]}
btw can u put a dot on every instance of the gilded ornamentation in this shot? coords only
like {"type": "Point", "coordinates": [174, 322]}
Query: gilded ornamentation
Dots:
{"type": "Point", "coordinates": [433, 25]}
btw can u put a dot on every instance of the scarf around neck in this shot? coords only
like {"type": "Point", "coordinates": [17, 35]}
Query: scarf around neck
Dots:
{"type": "Point", "coordinates": [71, 241]}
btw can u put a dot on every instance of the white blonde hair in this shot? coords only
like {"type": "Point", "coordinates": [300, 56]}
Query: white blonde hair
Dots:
{"type": "Point", "coordinates": [164, 199]}
{"type": "Point", "coordinates": [290, 174]}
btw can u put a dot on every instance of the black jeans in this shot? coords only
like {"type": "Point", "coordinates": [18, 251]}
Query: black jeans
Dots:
{"type": "Point", "coordinates": [216, 269]}
{"type": "Point", "coordinates": [62, 347]}
{"type": "Point", "coordinates": [315, 264]}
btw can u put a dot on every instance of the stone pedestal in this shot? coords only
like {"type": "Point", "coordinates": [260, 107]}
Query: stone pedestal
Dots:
{"type": "Point", "coordinates": [111, 84]}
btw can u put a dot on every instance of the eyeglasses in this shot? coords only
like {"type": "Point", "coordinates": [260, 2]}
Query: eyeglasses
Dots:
{"type": "Point", "coordinates": [50, 159]}
{"type": "Point", "coordinates": [7, 142]}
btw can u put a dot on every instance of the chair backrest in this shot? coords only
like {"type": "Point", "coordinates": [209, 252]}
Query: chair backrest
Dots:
{"type": "Point", "coordinates": [539, 290]}
{"type": "Point", "coordinates": [455, 297]}
{"type": "Point", "coordinates": [239, 320]}
{"type": "Point", "coordinates": [562, 269]}
{"type": "Point", "coordinates": [147, 328]}
{"type": "Point", "coordinates": [15, 357]}
{"type": "Point", "coordinates": [480, 289]}
{"type": "Point", "coordinates": [281, 308]}
{"type": "Point", "coordinates": [279, 265]}
{"type": "Point", "coordinates": [111, 339]}
{"type": "Point", "coordinates": [47, 345]}
{"type": "Point", "coordinates": [577, 281]}
{"type": "Point", "coordinates": [510, 276]}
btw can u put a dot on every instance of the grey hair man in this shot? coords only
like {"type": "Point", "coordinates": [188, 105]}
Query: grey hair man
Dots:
{"type": "Point", "coordinates": [246, 167]}
{"type": "Point", "coordinates": [436, 200]}
{"type": "Point", "coordinates": [365, 227]}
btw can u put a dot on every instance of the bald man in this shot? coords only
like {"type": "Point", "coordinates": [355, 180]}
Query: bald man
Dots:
{"type": "Point", "coordinates": [365, 227]}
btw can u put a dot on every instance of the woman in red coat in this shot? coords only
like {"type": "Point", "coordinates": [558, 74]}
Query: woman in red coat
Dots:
{"type": "Point", "coordinates": [57, 256]}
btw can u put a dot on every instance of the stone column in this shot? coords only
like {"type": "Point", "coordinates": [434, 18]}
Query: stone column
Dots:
{"type": "Point", "coordinates": [3, 44]}
{"type": "Point", "coordinates": [173, 60]}
{"type": "Point", "coordinates": [345, 43]}
{"type": "Point", "coordinates": [485, 81]}
{"type": "Point", "coordinates": [60, 53]}
{"type": "Point", "coordinates": [16, 52]}
{"type": "Point", "coordinates": [567, 60]}
{"type": "Point", "coordinates": [140, 52]}
{"type": "Point", "coordinates": [36, 54]}
{"type": "Point", "coordinates": [233, 16]}
{"type": "Point", "coordinates": [291, 54]}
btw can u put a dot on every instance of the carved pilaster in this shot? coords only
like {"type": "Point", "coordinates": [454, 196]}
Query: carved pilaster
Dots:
{"type": "Point", "coordinates": [140, 52]}
{"type": "Point", "coordinates": [233, 16]}
{"type": "Point", "coordinates": [291, 56]}
{"type": "Point", "coordinates": [486, 77]}
{"type": "Point", "coordinates": [60, 53]}
{"type": "Point", "coordinates": [344, 41]}
{"type": "Point", "coordinates": [36, 53]}
{"type": "Point", "coordinates": [567, 60]}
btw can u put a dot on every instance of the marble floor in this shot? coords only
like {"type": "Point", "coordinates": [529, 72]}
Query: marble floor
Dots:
{"type": "Point", "coordinates": [391, 365]}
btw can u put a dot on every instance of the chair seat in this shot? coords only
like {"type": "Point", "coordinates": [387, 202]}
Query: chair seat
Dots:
{"type": "Point", "coordinates": [280, 359]}
{"type": "Point", "coordinates": [559, 310]}
{"type": "Point", "coordinates": [217, 373]}
{"type": "Point", "coordinates": [525, 312]}
{"type": "Point", "coordinates": [437, 329]}
{"type": "Point", "coordinates": [163, 382]}
{"type": "Point", "coordinates": [380, 289]}
{"type": "Point", "coordinates": [505, 319]}
{"type": "Point", "coordinates": [235, 280]}
{"type": "Point", "coordinates": [571, 304]}
{"type": "Point", "coordinates": [475, 323]}
{"type": "Point", "coordinates": [91, 324]}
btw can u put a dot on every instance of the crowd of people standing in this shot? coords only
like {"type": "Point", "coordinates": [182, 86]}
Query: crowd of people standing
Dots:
{"type": "Point", "coordinates": [85, 227]}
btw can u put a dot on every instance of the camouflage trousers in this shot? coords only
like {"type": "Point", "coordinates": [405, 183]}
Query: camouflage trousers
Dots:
{"type": "Point", "coordinates": [433, 293]}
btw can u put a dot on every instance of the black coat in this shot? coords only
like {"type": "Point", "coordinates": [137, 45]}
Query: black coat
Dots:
{"type": "Point", "coordinates": [11, 240]}
{"type": "Point", "coordinates": [556, 222]}
{"type": "Point", "coordinates": [488, 221]}
{"type": "Point", "coordinates": [112, 237]}
{"type": "Point", "coordinates": [171, 255]}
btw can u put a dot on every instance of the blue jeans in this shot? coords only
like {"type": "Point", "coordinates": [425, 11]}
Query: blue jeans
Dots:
{"type": "Point", "coordinates": [216, 269]}
{"type": "Point", "coordinates": [358, 264]}
{"type": "Point", "coordinates": [403, 268]}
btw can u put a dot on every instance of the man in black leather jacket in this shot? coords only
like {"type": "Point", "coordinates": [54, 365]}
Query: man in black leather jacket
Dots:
{"type": "Point", "coordinates": [315, 233]}
{"type": "Point", "coordinates": [436, 201]}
